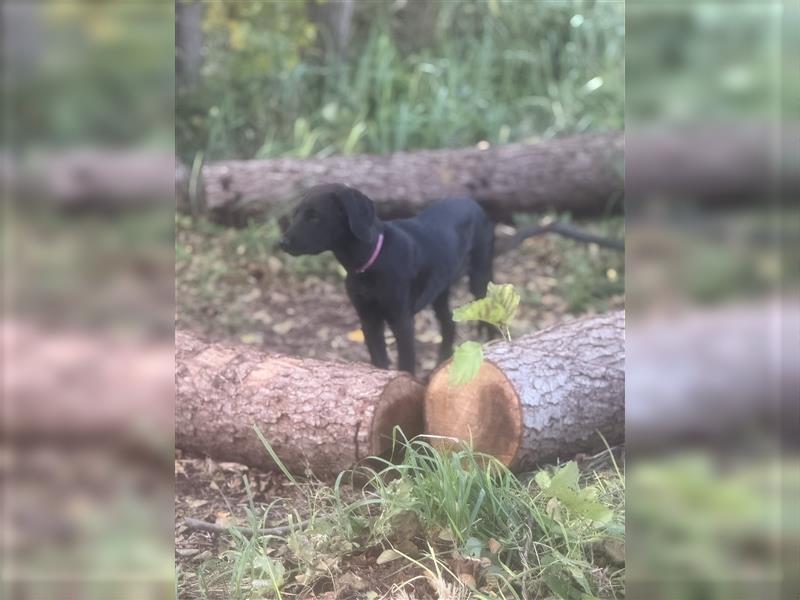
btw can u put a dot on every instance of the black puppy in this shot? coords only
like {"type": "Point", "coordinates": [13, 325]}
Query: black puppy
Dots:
{"type": "Point", "coordinates": [396, 268]}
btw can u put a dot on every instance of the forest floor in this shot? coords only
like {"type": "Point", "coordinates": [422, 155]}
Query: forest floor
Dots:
{"type": "Point", "coordinates": [232, 285]}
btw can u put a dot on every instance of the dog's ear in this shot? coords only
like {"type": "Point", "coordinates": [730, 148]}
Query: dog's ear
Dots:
{"type": "Point", "coordinates": [360, 214]}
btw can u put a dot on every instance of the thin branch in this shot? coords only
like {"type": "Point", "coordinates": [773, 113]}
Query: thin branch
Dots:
{"type": "Point", "coordinates": [197, 524]}
{"type": "Point", "coordinates": [561, 228]}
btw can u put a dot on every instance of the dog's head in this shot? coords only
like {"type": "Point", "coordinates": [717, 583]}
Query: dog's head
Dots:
{"type": "Point", "coordinates": [328, 216]}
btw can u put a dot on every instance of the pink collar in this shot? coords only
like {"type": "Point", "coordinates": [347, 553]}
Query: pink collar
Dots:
{"type": "Point", "coordinates": [374, 256]}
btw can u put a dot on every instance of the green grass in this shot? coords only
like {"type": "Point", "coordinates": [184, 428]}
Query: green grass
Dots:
{"type": "Point", "coordinates": [456, 520]}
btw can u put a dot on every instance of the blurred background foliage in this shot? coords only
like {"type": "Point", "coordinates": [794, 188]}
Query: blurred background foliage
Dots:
{"type": "Point", "coordinates": [265, 79]}
{"type": "Point", "coordinates": [64, 83]}
{"type": "Point", "coordinates": [715, 60]}
{"type": "Point", "coordinates": [88, 291]}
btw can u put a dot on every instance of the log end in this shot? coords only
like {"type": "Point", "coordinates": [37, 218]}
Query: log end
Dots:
{"type": "Point", "coordinates": [486, 411]}
{"type": "Point", "coordinates": [400, 406]}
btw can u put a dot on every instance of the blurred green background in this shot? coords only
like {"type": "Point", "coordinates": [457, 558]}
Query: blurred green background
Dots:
{"type": "Point", "coordinates": [265, 79]}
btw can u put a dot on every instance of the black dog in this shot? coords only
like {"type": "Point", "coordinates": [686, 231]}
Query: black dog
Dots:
{"type": "Point", "coordinates": [396, 268]}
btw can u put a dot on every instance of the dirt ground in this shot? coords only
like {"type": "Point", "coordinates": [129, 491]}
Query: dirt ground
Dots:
{"type": "Point", "coordinates": [265, 301]}
{"type": "Point", "coordinates": [273, 306]}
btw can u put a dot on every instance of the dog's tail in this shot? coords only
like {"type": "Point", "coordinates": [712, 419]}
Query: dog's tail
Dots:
{"type": "Point", "coordinates": [503, 245]}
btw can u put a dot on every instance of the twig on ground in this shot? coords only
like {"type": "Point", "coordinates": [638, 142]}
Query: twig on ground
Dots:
{"type": "Point", "coordinates": [197, 524]}
{"type": "Point", "coordinates": [565, 229]}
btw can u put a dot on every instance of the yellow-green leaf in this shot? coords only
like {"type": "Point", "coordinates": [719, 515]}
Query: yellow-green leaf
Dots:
{"type": "Point", "coordinates": [498, 307]}
{"type": "Point", "coordinates": [466, 362]}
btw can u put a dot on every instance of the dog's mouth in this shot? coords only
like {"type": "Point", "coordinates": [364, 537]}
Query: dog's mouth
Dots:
{"type": "Point", "coordinates": [293, 249]}
{"type": "Point", "coordinates": [286, 246]}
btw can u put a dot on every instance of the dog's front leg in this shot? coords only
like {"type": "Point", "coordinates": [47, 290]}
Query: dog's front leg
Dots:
{"type": "Point", "coordinates": [373, 327]}
{"type": "Point", "coordinates": [403, 329]}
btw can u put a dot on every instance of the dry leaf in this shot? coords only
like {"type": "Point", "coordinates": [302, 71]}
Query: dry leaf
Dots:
{"type": "Point", "coordinates": [233, 467]}
{"type": "Point", "coordinates": [494, 546]}
{"type": "Point", "coordinates": [408, 548]}
{"type": "Point", "coordinates": [446, 535]}
{"type": "Point", "coordinates": [225, 519]}
{"type": "Point", "coordinates": [352, 580]}
{"type": "Point", "coordinates": [356, 336]}
{"type": "Point", "coordinates": [274, 264]}
{"type": "Point", "coordinates": [283, 328]}
{"type": "Point", "coordinates": [252, 338]}
{"type": "Point", "coordinates": [388, 556]}
{"type": "Point", "coordinates": [468, 580]}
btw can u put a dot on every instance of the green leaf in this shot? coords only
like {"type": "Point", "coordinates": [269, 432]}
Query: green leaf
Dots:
{"type": "Point", "coordinates": [579, 502]}
{"type": "Point", "coordinates": [566, 478]}
{"type": "Point", "coordinates": [273, 568]}
{"type": "Point", "coordinates": [329, 111]}
{"type": "Point", "coordinates": [580, 577]}
{"type": "Point", "coordinates": [498, 307]}
{"type": "Point", "coordinates": [542, 480]}
{"type": "Point", "coordinates": [466, 362]}
{"type": "Point", "coordinates": [473, 547]}
{"type": "Point", "coordinates": [560, 583]}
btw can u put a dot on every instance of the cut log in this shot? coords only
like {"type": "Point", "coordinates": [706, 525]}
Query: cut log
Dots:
{"type": "Point", "coordinates": [542, 397]}
{"type": "Point", "coordinates": [716, 374]}
{"type": "Point", "coordinates": [96, 179]}
{"type": "Point", "coordinates": [76, 387]}
{"type": "Point", "coordinates": [325, 416]}
{"type": "Point", "coordinates": [581, 174]}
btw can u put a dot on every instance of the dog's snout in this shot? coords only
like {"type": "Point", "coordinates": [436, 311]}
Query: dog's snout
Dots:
{"type": "Point", "coordinates": [283, 244]}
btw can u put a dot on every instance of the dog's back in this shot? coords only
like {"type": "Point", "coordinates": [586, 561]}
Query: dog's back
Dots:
{"type": "Point", "coordinates": [453, 237]}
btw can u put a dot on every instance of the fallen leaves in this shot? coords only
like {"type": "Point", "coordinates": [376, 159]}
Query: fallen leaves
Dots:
{"type": "Point", "coordinates": [356, 336]}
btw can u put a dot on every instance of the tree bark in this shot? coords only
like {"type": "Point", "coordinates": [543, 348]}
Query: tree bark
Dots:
{"type": "Point", "coordinates": [96, 179]}
{"type": "Point", "coordinates": [76, 387]}
{"type": "Point", "coordinates": [714, 374]}
{"type": "Point", "coordinates": [542, 397]}
{"type": "Point", "coordinates": [716, 165]}
{"type": "Point", "coordinates": [188, 41]}
{"type": "Point", "coordinates": [581, 174]}
{"type": "Point", "coordinates": [333, 19]}
{"type": "Point", "coordinates": [325, 416]}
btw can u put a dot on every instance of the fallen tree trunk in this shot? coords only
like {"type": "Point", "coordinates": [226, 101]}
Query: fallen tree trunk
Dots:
{"type": "Point", "coordinates": [94, 179]}
{"type": "Point", "coordinates": [581, 174]}
{"type": "Point", "coordinates": [713, 374]}
{"type": "Point", "coordinates": [542, 397]}
{"type": "Point", "coordinates": [322, 415]}
{"type": "Point", "coordinates": [72, 386]}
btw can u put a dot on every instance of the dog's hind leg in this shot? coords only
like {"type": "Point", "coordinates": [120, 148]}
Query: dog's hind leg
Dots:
{"type": "Point", "coordinates": [441, 308]}
{"type": "Point", "coordinates": [481, 272]}
{"type": "Point", "coordinates": [480, 262]}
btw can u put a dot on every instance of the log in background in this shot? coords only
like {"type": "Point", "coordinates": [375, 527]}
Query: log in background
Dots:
{"type": "Point", "coordinates": [581, 174]}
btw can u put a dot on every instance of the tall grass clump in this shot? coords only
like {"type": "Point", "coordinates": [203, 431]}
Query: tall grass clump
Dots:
{"type": "Point", "coordinates": [453, 519]}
